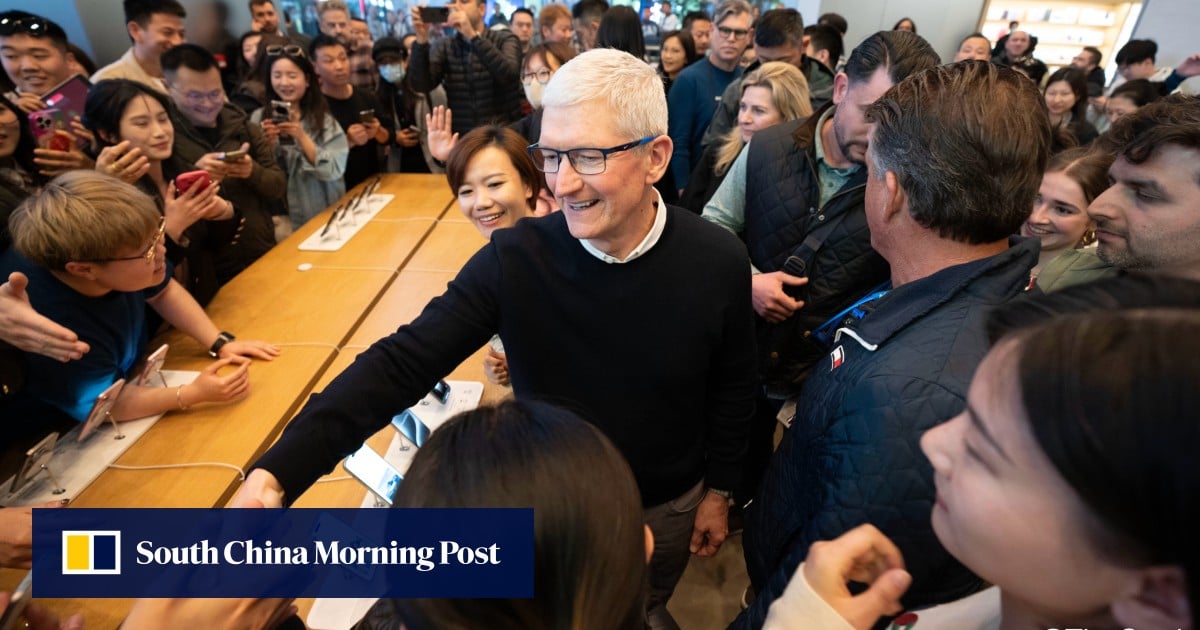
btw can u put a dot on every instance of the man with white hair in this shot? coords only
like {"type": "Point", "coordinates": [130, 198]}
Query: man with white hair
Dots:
{"type": "Point", "coordinates": [666, 371]}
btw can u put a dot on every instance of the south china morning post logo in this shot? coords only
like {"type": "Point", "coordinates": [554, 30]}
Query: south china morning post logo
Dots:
{"type": "Point", "coordinates": [284, 553]}
{"type": "Point", "coordinates": [91, 552]}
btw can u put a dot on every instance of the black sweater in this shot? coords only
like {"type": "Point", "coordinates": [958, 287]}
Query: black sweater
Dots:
{"type": "Point", "coordinates": [657, 352]}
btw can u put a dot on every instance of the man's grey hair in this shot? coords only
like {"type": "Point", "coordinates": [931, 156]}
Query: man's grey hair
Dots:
{"type": "Point", "coordinates": [729, 8]}
{"type": "Point", "coordinates": [627, 86]}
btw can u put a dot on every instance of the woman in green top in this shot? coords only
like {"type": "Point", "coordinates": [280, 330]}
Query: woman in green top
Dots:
{"type": "Point", "coordinates": [1059, 219]}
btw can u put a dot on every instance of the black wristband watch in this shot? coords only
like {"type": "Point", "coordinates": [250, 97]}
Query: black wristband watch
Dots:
{"type": "Point", "coordinates": [222, 339]}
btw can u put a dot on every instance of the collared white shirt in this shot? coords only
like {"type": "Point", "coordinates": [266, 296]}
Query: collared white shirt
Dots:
{"type": "Point", "coordinates": [656, 230]}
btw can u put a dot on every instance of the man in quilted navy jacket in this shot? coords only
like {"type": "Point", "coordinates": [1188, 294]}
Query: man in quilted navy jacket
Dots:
{"type": "Point", "coordinates": [480, 68]}
{"type": "Point", "coordinates": [954, 161]}
{"type": "Point", "coordinates": [795, 197]}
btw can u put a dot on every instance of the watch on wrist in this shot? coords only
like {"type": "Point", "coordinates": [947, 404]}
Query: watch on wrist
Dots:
{"type": "Point", "coordinates": [222, 339]}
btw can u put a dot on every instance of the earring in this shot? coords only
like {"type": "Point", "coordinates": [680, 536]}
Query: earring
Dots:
{"type": "Point", "coordinates": [1089, 237]}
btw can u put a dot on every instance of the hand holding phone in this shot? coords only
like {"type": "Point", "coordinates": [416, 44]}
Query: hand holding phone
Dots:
{"type": "Point", "coordinates": [434, 15]}
{"type": "Point", "coordinates": [46, 123]}
{"type": "Point", "coordinates": [198, 179]}
{"type": "Point", "coordinates": [281, 112]}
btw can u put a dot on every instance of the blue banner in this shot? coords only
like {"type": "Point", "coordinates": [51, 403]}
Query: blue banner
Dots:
{"type": "Point", "coordinates": [466, 553]}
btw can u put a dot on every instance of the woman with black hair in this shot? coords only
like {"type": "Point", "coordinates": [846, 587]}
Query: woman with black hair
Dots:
{"type": "Point", "coordinates": [251, 92]}
{"type": "Point", "coordinates": [591, 546]}
{"type": "Point", "coordinates": [621, 28]}
{"type": "Point", "coordinates": [311, 144]}
{"type": "Point", "coordinates": [1129, 97]}
{"type": "Point", "coordinates": [677, 52]}
{"type": "Point", "coordinates": [1066, 100]}
{"type": "Point", "coordinates": [905, 24]}
{"type": "Point", "coordinates": [19, 176]}
{"type": "Point", "coordinates": [132, 125]}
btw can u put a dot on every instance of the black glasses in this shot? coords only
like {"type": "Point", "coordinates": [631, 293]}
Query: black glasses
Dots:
{"type": "Point", "coordinates": [148, 256]}
{"type": "Point", "coordinates": [735, 33]}
{"type": "Point", "coordinates": [275, 50]}
{"type": "Point", "coordinates": [542, 76]}
{"type": "Point", "coordinates": [36, 26]}
{"type": "Point", "coordinates": [585, 161]}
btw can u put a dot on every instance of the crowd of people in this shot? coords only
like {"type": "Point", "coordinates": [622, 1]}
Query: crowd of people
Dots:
{"type": "Point", "coordinates": [924, 327]}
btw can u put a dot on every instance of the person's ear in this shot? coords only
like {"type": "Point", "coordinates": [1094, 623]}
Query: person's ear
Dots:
{"type": "Point", "coordinates": [649, 543]}
{"type": "Point", "coordinates": [897, 199]}
{"type": "Point", "coordinates": [85, 270]}
{"type": "Point", "coordinates": [1158, 598]}
{"type": "Point", "coordinates": [135, 32]}
{"type": "Point", "coordinates": [823, 57]}
{"type": "Point", "coordinates": [841, 84]}
{"type": "Point", "coordinates": [660, 157]}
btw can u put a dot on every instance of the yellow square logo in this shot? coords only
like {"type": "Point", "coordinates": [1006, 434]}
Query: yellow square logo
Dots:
{"type": "Point", "coordinates": [91, 552]}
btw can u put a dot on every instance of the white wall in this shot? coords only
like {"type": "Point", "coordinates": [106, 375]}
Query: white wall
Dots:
{"type": "Point", "coordinates": [1172, 24]}
{"type": "Point", "coordinates": [943, 24]}
{"type": "Point", "coordinates": [810, 10]}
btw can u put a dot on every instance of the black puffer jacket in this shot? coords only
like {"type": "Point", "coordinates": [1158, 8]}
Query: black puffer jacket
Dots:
{"type": "Point", "coordinates": [852, 455]}
{"type": "Point", "coordinates": [482, 77]}
{"type": "Point", "coordinates": [783, 209]}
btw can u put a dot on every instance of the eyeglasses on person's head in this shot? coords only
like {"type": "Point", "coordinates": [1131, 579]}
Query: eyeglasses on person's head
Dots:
{"type": "Point", "coordinates": [31, 25]}
{"type": "Point", "coordinates": [274, 50]}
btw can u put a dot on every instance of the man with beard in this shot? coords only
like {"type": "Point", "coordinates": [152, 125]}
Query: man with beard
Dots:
{"type": "Point", "coordinates": [795, 196]}
{"type": "Point", "coordinates": [1147, 220]}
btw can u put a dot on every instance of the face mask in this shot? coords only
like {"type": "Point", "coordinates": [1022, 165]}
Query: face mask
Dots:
{"type": "Point", "coordinates": [392, 73]}
{"type": "Point", "coordinates": [533, 93]}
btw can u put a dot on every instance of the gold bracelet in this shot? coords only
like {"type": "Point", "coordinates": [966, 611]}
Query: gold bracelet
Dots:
{"type": "Point", "coordinates": [179, 398]}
